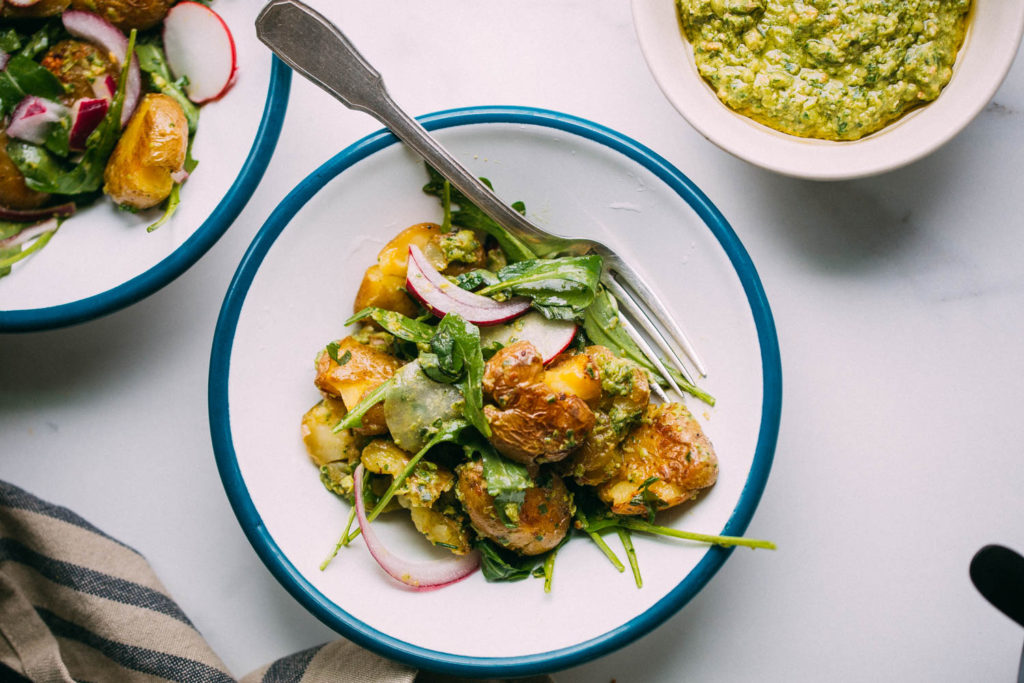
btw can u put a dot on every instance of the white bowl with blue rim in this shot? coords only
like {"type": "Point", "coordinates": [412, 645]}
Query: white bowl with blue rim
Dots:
{"type": "Point", "coordinates": [295, 286]}
{"type": "Point", "coordinates": [990, 46]}
{"type": "Point", "coordinates": [103, 259]}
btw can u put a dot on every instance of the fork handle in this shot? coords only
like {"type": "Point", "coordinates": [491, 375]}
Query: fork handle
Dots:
{"type": "Point", "coordinates": [318, 50]}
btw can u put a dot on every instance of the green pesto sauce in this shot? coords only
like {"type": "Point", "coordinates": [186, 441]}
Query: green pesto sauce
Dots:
{"type": "Point", "coordinates": [831, 69]}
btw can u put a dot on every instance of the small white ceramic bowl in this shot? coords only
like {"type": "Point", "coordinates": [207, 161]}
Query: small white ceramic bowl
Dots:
{"type": "Point", "coordinates": [993, 36]}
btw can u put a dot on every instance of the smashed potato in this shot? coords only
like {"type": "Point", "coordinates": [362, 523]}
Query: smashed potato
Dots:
{"type": "Point", "coordinates": [127, 14]}
{"type": "Point", "coordinates": [532, 424]}
{"type": "Point", "coordinates": [14, 193]}
{"type": "Point", "coordinates": [384, 291]}
{"type": "Point", "coordinates": [323, 444]}
{"type": "Point", "coordinates": [424, 485]}
{"type": "Point", "coordinates": [666, 460]}
{"type": "Point", "coordinates": [544, 515]}
{"type": "Point", "coordinates": [360, 368]}
{"type": "Point", "coordinates": [150, 150]}
{"type": "Point", "coordinates": [43, 8]}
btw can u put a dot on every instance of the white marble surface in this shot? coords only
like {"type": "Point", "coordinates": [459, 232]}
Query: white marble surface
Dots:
{"type": "Point", "coordinates": [897, 301]}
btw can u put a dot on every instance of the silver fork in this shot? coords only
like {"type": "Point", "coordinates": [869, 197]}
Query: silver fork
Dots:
{"type": "Point", "coordinates": [318, 50]}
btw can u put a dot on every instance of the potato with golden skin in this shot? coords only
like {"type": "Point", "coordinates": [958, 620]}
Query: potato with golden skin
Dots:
{"type": "Point", "coordinates": [14, 193]}
{"type": "Point", "coordinates": [448, 531]}
{"type": "Point", "coordinates": [532, 424]}
{"type": "Point", "coordinates": [323, 444]}
{"type": "Point", "coordinates": [668, 449]}
{"type": "Point", "coordinates": [43, 8]}
{"type": "Point", "coordinates": [152, 148]}
{"type": "Point", "coordinates": [364, 369]}
{"type": "Point", "coordinates": [424, 485]}
{"type": "Point", "coordinates": [127, 14]}
{"type": "Point", "coordinates": [544, 515]}
{"type": "Point", "coordinates": [385, 291]}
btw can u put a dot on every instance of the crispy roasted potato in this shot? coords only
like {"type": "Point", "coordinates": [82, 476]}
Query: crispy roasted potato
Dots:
{"type": "Point", "coordinates": [666, 460]}
{"type": "Point", "coordinates": [76, 64]}
{"type": "Point", "coordinates": [599, 458]}
{"type": "Point", "coordinates": [43, 8]}
{"type": "Point", "coordinates": [625, 391]}
{"type": "Point", "coordinates": [424, 485]}
{"type": "Point", "coordinates": [532, 423]}
{"type": "Point", "coordinates": [446, 530]}
{"type": "Point", "coordinates": [576, 374]}
{"type": "Point", "coordinates": [543, 519]}
{"type": "Point", "coordinates": [127, 14]}
{"type": "Point", "coordinates": [394, 257]}
{"type": "Point", "coordinates": [322, 443]}
{"type": "Point", "coordinates": [151, 148]}
{"type": "Point", "coordinates": [384, 291]}
{"type": "Point", "coordinates": [364, 368]}
{"type": "Point", "coordinates": [14, 193]}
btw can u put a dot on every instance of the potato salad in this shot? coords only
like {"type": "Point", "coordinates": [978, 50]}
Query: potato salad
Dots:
{"type": "Point", "coordinates": [494, 398]}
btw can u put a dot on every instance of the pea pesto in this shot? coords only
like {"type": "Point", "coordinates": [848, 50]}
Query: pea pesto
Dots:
{"type": "Point", "coordinates": [830, 69]}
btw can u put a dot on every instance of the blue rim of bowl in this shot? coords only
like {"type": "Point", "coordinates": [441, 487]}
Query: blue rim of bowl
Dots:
{"type": "Point", "coordinates": [182, 258]}
{"type": "Point", "coordinates": [381, 643]}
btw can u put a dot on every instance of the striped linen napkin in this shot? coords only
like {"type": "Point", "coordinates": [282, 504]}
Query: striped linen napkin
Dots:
{"type": "Point", "coordinates": [78, 605]}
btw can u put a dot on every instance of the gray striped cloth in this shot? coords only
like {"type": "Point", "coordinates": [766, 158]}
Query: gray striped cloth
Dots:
{"type": "Point", "coordinates": [78, 605]}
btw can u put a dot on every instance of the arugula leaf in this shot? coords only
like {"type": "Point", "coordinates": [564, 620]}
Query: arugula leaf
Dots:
{"type": "Point", "coordinates": [475, 279]}
{"type": "Point", "coordinates": [561, 288]}
{"type": "Point", "coordinates": [469, 216]}
{"type": "Point", "coordinates": [42, 40]}
{"type": "Point", "coordinates": [601, 323]}
{"type": "Point", "coordinates": [154, 63]}
{"type": "Point", "coordinates": [403, 327]}
{"type": "Point", "coordinates": [10, 41]}
{"type": "Point", "coordinates": [502, 565]}
{"type": "Point", "coordinates": [23, 77]}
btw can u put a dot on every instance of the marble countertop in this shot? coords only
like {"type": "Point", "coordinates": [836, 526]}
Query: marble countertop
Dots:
{"type": "Point", "coordinates": [897, 301]}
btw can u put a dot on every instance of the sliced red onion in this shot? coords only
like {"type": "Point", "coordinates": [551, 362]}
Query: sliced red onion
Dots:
{"type": "Point", "coordinates": [29, 234]}
{"type": "Point", "coordinates": [96, 29]}
{"type": "Point", "coordinates": [441, 296]}
{"type": "Point", "coordinates": [421, 576]}
{"type": "Point", "coordinates": [32, 118]}
{"type": "Point", "coordinates": [86, 114]}
{"type": "Point", "coordinates": [105, 88]}
{"type": "Point", "coordinates": [32, 215]}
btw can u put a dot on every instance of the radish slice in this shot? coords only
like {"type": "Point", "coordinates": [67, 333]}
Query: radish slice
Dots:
{"type": "Point", "coordinates": [86, 114]}
{"type": "Point", "coordinates": [32, 118]}
{"type": "Point", "coordinates": [442, 296]}
{"type": "Point", "coordinates": [422, 576]}
{"type": "Point", "coordinates": [105, 88]}
{"type": "Point", "coordinates": [199, 45]}
{"type": "Point", "coordinates": [550, 337]}
{"type": "Point", "coordinates": [96, 29]}
{"type": "Point", "coordinates": [32, 215]}
{"type": "Point", "coordinates": [28, 234]}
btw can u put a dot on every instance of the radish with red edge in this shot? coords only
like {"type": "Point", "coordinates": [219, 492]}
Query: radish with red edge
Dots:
{"type": "Point", "coordinates": [441, 296]}
{"type": "Point", "coordinates": [86, 114]}
{"type": "Point", "coordinates": [105, 88]}
{"type": "Point", "coordinates": [96, 29]}
{"type": "Point", "coordinates": [199, 46]}
{"type": "Point", "coordinates": [421, 576]}
{"type": "Point", "coordinates": [550, 337]}
{"type": "Point", "coordinates": [32, 119]}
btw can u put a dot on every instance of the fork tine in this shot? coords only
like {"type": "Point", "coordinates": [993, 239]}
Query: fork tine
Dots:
{"type": "Point", "coordinates": [626, 299]}
{"type": "Point", "coordinates": [651, 356]}
{"type": "Point", "coordinates": [655, 305]}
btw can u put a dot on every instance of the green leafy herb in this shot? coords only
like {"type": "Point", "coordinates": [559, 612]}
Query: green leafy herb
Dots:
{"type": "Point", "coordinates": [506, 481]}
{"type": "Point", "coordinates": [601, 323]}
{"type": "Point", "coordinates": [646, 499]}
{"type": "Point", "coordinates": [469, 216]}
{"type": "Point", "coordinates": [627, 543]}
{"type": "Point", "coordinates": [561, 288]}
{"type": "Point", "coordinates": [154, 63]}
{"type": "Point", "coordinates": [22, 77]}
{"type": "Point", "coordinates": [10, 41]}
{"type": "Point", "coordinates": [405, 328]}
{"type": "Point", "coordinates": [455, 356]}
{"type": "Point", "coordinates": [498, 564]}
{"type": "Point", "coordinates": [475, 279]}
{"type": "Point", "coordinates": [42, 40]}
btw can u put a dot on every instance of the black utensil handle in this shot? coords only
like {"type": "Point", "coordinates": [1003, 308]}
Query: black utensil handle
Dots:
{"type": "Point", "coordinates": [998, 573]}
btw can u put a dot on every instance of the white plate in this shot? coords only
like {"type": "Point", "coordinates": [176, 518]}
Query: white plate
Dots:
{"type": "Point", "coordinates": [295, 286]}
{"type": "Point", "coordinates": [993, 36]}
{"type": "Point", "coordinates": [102, 259]}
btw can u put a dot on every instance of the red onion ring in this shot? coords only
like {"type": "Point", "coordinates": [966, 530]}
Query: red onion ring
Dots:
{"type": "Point", "coordinates": [421, 576]}
{"type": "Point", "coordinates": [441, 296]}
{"type": "Point", "coordinates": [32, 118]}
{"type": "Point", "coordinates": [28, 234]}
{"type": "Point", "coordinates": [96, 29]}
{"type": "Point", "coordinates": [33, 215]}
